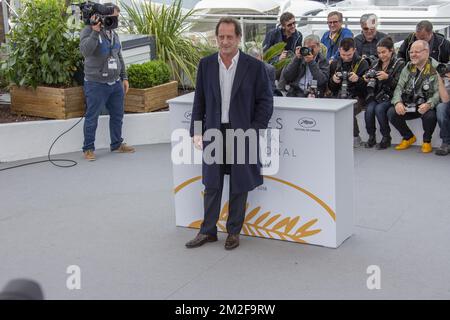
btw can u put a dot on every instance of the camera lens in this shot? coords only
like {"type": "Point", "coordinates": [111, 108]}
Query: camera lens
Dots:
{"type": "Point", "coordinates": [108, 22]}
{"type": "Point", "coordinates": [305, 51]}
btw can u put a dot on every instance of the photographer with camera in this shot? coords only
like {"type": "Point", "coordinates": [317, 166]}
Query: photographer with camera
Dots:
{"type": "Point", "coordinates": [366, 42]}
{"type": "Point", "coordinates": [105, 78]}
{"type": "Point", "coordinates": [416, 96]}
{"type": "Point", "coordinates": [381, 80]}
{"type": "Point", "coordinates": [347, 80]}
{"type": "Point", "coordinates": [286, 32]}
{"type": "Point", "coordinates": [308, 72]}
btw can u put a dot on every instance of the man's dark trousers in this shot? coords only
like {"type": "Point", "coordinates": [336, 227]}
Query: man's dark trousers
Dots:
{"type": "Point", "coordinates": [212, 200]}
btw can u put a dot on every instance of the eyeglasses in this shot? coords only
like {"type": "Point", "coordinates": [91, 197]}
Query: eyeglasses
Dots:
{"type": "Point", "coordinates": [291, 24]}
{"type": "Point", "coordinates": [333, 22]}
{"type": "Point", "coordinates": [417, 52]}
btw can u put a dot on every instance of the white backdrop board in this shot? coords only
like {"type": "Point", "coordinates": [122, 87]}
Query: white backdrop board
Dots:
{"type": "Point", "coordinates": [310, 199]}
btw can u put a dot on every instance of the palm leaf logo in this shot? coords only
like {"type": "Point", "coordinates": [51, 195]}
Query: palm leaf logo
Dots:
{"type": "Point", "coordinates": [268, 225]}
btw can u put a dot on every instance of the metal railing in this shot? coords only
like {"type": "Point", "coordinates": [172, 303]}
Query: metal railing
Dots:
{"type": "Point", "coordinates": [318, 24]}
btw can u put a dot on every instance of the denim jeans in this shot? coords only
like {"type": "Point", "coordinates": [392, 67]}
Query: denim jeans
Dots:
{"type": "Point", "coordinates": [98, 95]}
{"type": "Point", "coordinates": [443, 118]}
{"type": "Point", "coordinates": [378, 110]}
{"type": "Point", "coordinates": [429, 122]}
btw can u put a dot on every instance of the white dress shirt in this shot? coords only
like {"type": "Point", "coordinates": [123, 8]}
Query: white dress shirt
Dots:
{"type": "Point", "coordinates": [226, 77]}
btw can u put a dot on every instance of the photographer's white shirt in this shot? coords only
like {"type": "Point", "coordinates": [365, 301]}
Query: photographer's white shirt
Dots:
{"type": "Point", "coordinates": [305, 81]}
{"type": "Point", "coordinates": [226, 77]}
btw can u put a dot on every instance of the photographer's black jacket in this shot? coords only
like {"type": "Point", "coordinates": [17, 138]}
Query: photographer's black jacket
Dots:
{"type": "Point", "coordinates": [357, 65]}
{"type": "Point", "coordinates": [439, 46]}
{"type": "Point", "coordinates": [277, 35]}
{"type": "Point", "coordinates": [394, 70]}
{"type": "Point", "coordinates": [296, 69]}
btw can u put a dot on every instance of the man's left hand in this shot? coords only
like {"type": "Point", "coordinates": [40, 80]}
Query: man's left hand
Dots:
{"type": "Point", "coordinates": [126, 86]}
{"type": "Point", "coordinates": [353, 77]}
{"type": "Point", "coordinates": [424, 107]}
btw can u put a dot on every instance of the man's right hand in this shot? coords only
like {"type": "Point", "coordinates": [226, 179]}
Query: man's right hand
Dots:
{"type": "Point", "coordinates": [400, 108]}
{"type": "Point", "coordinates": [336, 78]}
{"type": "Point", "coordinates": [283, 55]}
{"type": "Point", "coordinates": [197, 140]}
{"type": "Point", "coordinates": [96, 25]}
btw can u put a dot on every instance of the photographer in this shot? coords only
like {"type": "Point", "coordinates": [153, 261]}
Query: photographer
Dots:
{"type": "Point", "coordinates": [439, 45]}
{"type": "Point", "coordinates": [366, 41]}
{"type": "Point", "coordinates": [336, 33]}
{"type": "Point", "coordinates": [381, 82]}
{"type": "Point", "coordinates": [416, 96]}
{"type": "Point", "coordinates": [443, 116]}
{"type": "Point", "coordinates": [307, 74]}
{"type": "Point", "coordinates": [286, 32]}
{"type": "Point", "coordinates": [105, 82]}
{"type": "Point", "coordinates": [347, 80]}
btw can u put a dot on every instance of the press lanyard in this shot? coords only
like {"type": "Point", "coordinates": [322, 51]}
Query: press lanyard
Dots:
{"type": "Point", "coordinates": [416, 78]}
{"type": "Point", "coordinates": [111, 41]}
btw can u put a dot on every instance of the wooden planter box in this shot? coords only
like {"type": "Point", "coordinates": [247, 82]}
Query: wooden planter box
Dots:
{"type": "Point", "coordinates": [48, 102]}
{"type": "Point", "coordinates": [151, 99]}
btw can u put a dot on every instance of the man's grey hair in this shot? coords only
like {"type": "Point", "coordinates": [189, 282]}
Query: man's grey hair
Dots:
{"type": "Point", "coordinates": [255, 52]}
{"type": "Point", "coordinates": [369, 17]}
{"type": "Point", "coordinates": [424, 25]}
{"type": "Point", "coordinates": [312, 37]}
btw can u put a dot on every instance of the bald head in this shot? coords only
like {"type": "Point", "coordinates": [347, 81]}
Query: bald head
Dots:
{"type": "Point", "coordinates": [419, 52]}
{"type": "Point", "coordinates": [420, 45]}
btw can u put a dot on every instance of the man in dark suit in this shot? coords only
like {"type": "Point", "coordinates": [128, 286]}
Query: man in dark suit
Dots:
{"type": "Point", "coordinates": [232, 92]}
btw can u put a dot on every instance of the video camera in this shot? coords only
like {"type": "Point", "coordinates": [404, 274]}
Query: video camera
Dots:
{"type": "Point", "coordinates": [103, 12]}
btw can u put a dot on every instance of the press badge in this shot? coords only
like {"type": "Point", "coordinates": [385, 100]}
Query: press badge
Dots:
{"type": "Point", "coordinates": [112, 64]}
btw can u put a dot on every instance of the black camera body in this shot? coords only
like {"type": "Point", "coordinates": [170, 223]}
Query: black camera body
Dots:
{"type": "Point", "coordinates": [412, 100]}
{"type": "Point", "coordinates": [313, 90]}
{"type": "Point", "coordinates": [343, 76]}
{"type": "Point", "coordinates": [382, 96]}
{"type": "Point", "coordinates": [443, 69]}
{"type": "Point", "coordinates": [371, 60]}
{"type": "Point", "coordinates": [102, 12]}
{"type": "Point", "coordinates": [305, 51]}
{"type": "Point", "coordinates": [371, 76]}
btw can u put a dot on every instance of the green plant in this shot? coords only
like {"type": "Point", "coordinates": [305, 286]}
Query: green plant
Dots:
{"type": "Point", "coordinates": [148, 74]}
{"type": "Point", "coordinates": [274, 51]}
{"type": "Point", "coordinates": [167, 24]}
{"type": "Point", "coordinates": [42, 51]}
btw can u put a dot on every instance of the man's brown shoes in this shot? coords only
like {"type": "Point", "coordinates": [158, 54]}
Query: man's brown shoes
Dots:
{"type": "Point", "coordinates": [232, 241]}
{"type": "Point", "coordinates": [200, 240]}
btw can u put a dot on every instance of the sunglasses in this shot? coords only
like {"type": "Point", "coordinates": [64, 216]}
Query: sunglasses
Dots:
{"type": "Point", "coordinates": [291, 24]}
{"type": "Point", "coordinates": [367, 29]}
